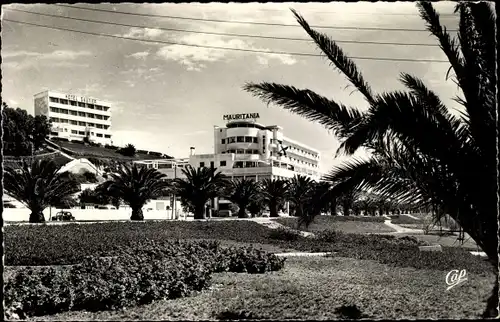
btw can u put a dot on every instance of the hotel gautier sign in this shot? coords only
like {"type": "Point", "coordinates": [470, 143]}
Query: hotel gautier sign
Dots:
{"type": "Point", "coordinates": [243, 116]}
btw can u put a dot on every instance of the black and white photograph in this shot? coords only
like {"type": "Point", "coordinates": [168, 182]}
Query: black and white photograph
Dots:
{"type": "Point", "coordinates": [249, 161]}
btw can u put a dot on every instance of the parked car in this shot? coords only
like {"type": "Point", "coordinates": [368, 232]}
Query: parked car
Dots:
{"type": "Point", "coordinates": [63, 216]}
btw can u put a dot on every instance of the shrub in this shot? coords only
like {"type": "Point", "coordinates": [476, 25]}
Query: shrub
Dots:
{"type": "Point", "coordinates": [284, 234]}
{"type": "Point", "coordinates": [328, 236]}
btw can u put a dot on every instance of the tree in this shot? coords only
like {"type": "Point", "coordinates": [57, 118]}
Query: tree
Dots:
{"type": "Point", "coordinates": [136, 185]}
{"type": "Point", "coordinates": [128, 151]}
{"type": "Point", "coordinates": [242, 192]}
{"type": "Point", "coordinates": [199, 186]}
{"type": "Point", "coordinates": [317, 200]}
{"type": "Point", "coordinates": [299, 190]}
{"type": "Point", "coordinates": [37, 185]}
{"type": "Point", "coordinates": [22, 132]}
{"type": "Point", "coordinates": [420, 153]}
{"type": "Point", "coordinates": [274, 192]}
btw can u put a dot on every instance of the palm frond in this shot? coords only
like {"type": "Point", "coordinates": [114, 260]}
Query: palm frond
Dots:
{"type": "Point", "coordinates": [336, 55]}
{"type": "Point", "coordinates": [336, 117]}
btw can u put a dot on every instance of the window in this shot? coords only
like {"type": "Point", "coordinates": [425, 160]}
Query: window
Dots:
{"type": "Point", "coordinates": [81, 114]}
{"type": "Point", "coordinates": [223, 141]}
{"type": "Point", "coordinates": [255, 140]}
{"type": "Point", "coordinates": [91, 106]}
{"type": "Point", "coordinates": [81, 104]}
{"type": "Point", "coordinates": [202, 164]}
{"type": "Point", "coordinates": [240, 151]}
{"type": "Point", "coordinates": [63, 111]}
{"type": "Point", "coordinates": [255, 151]}
{"type": "Point", "coordinates": [90, 115]}
{"type": "Point", "coordinates": [223, 163]}
{"type": "Point", "coordinates": [231, 140]}
{"type": "Point", "coordinates": [211, 164]}
{"type": "Point", "coordinates": [82, 123]}
{"type": "Point", "coordinates": [54, 99]}
{"type": "Point", "coordinates": [107, 136]}
{"type": "Point", "coordinates": [72, 103]}
{"type": "Point", "coordinates": [73, 113]}
{"type": "Point", "coordinates": [240, 139]}
{"type": "Point", "coordinates": [98, 107]}
{"type": "Point", "coordinates": [99, 117]}
{"type": "Point", "coordinates": [99, 135]}
{"type": "Point", "coordinates": [74, 132]}
{"type": "Point", "coordinates": [53, 109]}
{"type": "Point", "coordinates": [81, 133]}
{"type": "Point", "coordinates": [99, 126]}
{"type": "Point", "coordinates": [73, 122]}
{"type": "Point", "coordinates": [54, 133]}
{"type": "Point", "coordinates": [63, 101]}
{"type": "Point", "coordinates": [248, 139]}
{"type": "Point", "coordinates": [63, 121]}
{"type": "Point", "coordinates": [164, 166]}
{"type": "Point", "coordinates": [90, 124]}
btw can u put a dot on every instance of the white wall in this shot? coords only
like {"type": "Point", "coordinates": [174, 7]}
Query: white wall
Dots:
{"type": "Point", "coordinates": [11, 214]}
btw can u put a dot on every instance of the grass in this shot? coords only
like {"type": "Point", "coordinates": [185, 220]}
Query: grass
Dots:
{"type": "Point", "coordinates": [314, 288]}
{"type": "Point", "coordinates": [448, 241]}
{"type": "Point", "coordinates": [355, 225]}
{"type": "Point", "coordinates": [403, 219]}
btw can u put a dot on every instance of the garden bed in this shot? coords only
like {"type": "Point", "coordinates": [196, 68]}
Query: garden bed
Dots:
{"type": "Point", "coordinates": [314, 289]}
{"type": "Point", "coordinates": [348, 224]}
{"type": "Point", "coordinates": [69, 244]}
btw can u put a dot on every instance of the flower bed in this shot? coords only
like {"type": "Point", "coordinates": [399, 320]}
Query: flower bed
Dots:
{"type": "Point", "coordinates": [133, 274]}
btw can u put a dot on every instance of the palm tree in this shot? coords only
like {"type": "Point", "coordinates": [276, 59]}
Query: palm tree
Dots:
{"type": "Point", "coordinates": [319, 198]}
{"type": "Point", "coordinates": [136, 185]}
{"type": "Point", "coordinates": [299, 192]}
{"type": "Point", "coordinates": [199, 186]}
{"type": "Point", "coordinates": [242, 192]}
{"type": "Point", "coordinates": [39, 184]}
{"type": "Point", "coordinates": [420, 152]}
{"type": "Point", "coordinates": [274, 192]}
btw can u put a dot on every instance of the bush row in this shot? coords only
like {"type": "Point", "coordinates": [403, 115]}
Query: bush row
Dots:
{"type": "Point", "coordinates": [137, 274]}
{"type": "Point", "coordinates": [392, 250]}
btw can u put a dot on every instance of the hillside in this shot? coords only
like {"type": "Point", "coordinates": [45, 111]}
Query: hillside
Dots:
{"type": "Point", "coordinates": [81, 150]}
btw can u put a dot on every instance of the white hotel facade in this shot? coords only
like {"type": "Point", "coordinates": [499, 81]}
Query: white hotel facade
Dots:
{"type": "Point", "coordinates": [75, 117]}
{"type": "Point", "coordinates": [247, 149]}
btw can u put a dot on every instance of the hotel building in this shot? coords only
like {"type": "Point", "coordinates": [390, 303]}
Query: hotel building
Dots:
{"type": "Point", "coordinates": [247, 149]}
{"type": "Point", "coordinates": [75, 117]}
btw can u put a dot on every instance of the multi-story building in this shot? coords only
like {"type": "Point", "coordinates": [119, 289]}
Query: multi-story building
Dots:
{"type": "Point", "coordinates": [75, 117]}
{"type": "Point", "coordinates": [250, 150]}
{"type": "Point", "coordinates": [247, 149]}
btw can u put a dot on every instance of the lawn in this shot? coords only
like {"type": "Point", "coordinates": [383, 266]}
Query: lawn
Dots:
{"type": "Point", "coordinates": [405, 220]}
{"type": "Point", "coordinates": [314, 288]}
{"type": "Point", "coordinates": [355, 225]}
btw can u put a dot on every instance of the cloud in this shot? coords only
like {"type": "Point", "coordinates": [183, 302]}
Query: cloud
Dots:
{"type": "Point", "coordinates": [13, 103]}
{"type": "Point", "coordinates": [26, 64]}
{"type": "Point", "coordinates": [196, 58]}
{"type": "Point", "coordinates": [143, 33]}
{"type": "Point", "coordinates": [139, 55]}
{"type": "Point", "coordinates": [55, 55]}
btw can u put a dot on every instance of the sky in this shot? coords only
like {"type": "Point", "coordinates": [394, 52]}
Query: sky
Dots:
{"type": "Point", "coordinates": [167, 97]}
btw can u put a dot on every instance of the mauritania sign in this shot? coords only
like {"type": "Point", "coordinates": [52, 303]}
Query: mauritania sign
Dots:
{"type": "Point", "coordinates": [243, 116]}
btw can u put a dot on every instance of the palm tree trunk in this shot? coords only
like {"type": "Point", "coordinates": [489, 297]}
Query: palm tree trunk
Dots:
{"type": "Point", "coordinates": [242, 212]}
{"type": "Point", "coordinates": [492, 303]}
{"type": "Point", "coordinates": [36, 216]}
{"type": "Point", "coordinates": [273, 209]}
{"type": "Point", "coordinates": [199, 212]}
{"type": "Point", "coordinates": [333, 207]}
{"type": "Point", "coordinates": [137, 214]}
